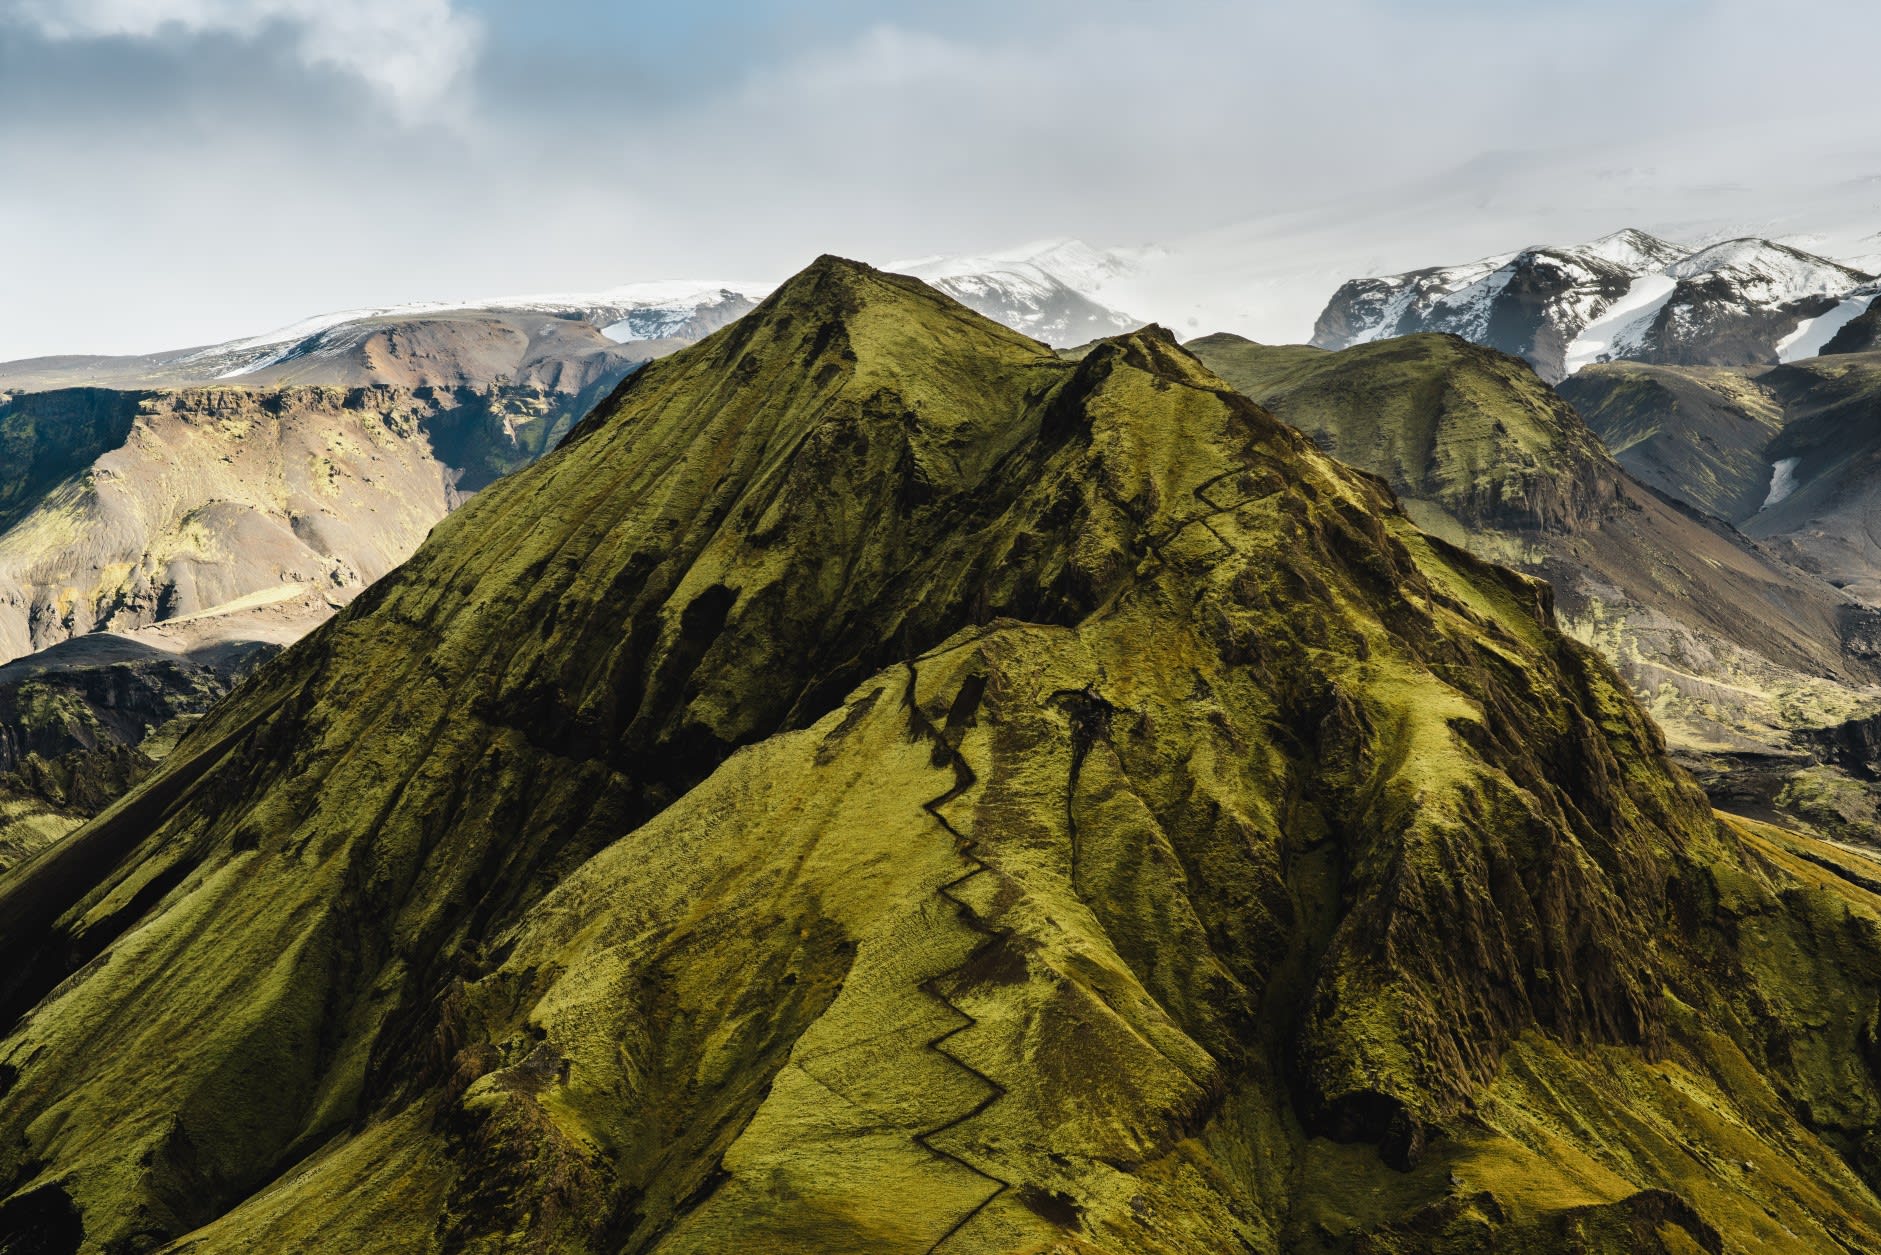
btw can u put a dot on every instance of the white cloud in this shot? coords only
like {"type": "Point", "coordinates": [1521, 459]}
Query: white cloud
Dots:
{"type": "Point", "coordinates": [415, 52]}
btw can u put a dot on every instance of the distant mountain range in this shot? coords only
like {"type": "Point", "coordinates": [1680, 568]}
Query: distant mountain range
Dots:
{"type": "Point", "coordinates": [1750, 660]}
{"type": "Point", "coordinates": [1625, 296]}
{"type": "Point", "coordinates": [209, 502]}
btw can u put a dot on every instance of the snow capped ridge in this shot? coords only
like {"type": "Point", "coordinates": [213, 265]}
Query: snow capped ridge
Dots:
{"type": "Point", "coordinates": [1626, 295]}
{"type": "Point", "coordinates": [1558, 291]}
{"type": "Point", "coordinates": [634, 311]}
{"type": "Point", "coordinates": [1634, 250]}
{"type": "Point", "coordinates": [1073, 262]}
{"type": "Point", "coordinates": [1047, 289]}
{"type": "Point", "coordinates": [1769, 272]}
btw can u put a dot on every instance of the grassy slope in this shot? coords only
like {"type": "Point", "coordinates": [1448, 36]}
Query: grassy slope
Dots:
{"type": "Point", "coordinates": [1452, 425]}
{"type": "Point", "coordinates": [879, 786]}
{"type": "Point", "coordinates": [1735, 651]}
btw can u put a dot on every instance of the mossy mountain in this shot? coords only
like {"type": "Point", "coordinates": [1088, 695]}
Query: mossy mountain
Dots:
{"type": "Point", "coordinates": [1746, 659]}
{"type": "Point", "coordinates": [879, 786]}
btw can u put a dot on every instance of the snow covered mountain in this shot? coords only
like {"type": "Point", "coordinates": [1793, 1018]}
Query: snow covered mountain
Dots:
{"type": "Point", "coordinates": [1046, 290]}
{"type": "Point", "coordinates": [1624, 296]}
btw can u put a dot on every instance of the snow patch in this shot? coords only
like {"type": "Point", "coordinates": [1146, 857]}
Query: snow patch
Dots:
{"type": "Point", "coordinates": [1641, 304]}
{"type": "Point", "coordinates": [1812, 334]}
{"type": "Point", "coordinates": [1782, 480]}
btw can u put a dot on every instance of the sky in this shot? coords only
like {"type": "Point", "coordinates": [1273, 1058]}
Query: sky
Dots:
{"type": "Point", "coordinates": [177, 172]}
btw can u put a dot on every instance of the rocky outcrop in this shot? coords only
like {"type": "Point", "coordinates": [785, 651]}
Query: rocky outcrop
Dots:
{"type": "Point", "coordinates": [1861, 334]}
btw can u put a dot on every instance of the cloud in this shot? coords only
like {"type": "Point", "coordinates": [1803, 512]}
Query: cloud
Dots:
{"type": "Point", "coordinates": [414, 52]}
{"type": "Point", "coordinates": [171, 174]}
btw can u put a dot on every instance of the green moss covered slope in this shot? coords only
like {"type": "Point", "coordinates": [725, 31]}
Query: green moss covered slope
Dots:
{"type": "Point", "coordinates": [878, 786]}
{"type": "Point", "coordinates": [1747, 659]}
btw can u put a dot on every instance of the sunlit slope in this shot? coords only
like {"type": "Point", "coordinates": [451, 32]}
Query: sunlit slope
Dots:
{"type": "Point", "coordinates": [881, 787]}
{"type": "Point", "coordinates": [1746, 659]}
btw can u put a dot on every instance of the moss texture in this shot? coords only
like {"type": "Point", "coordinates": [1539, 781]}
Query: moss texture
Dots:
{"type": "Point", "coordinates": [1741, 656]}
{"type": "Point", "coordinates": [878, 786]}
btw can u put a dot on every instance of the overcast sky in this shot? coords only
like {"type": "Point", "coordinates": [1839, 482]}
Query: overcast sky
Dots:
{"type": "Point", "coordinates": [174, 172]}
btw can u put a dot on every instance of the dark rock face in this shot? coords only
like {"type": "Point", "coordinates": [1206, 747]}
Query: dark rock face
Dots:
{"type": "Point", "coordinates": [879, 786]}
{"type": "Point", "coordinates": [1701, 436]}
{"type": "Point", "coordinates": [1860, 335]}
{"type": "Point", "coordinates": [1531, 304]}
{"type": "Point", "coordinates": [1831, 443]}
{"type": "Point", "coordinates": [1709, 321]}
{"type": "Point", "coordinates": [1521, 309]}
{"type": "Point", "coordinates": [46, 438]}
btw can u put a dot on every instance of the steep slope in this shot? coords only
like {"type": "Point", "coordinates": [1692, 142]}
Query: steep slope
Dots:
{"type": "Point", "coordinates": [1743, 658]}
{"type": "Point", "coordinates": [1698, 434]}
{"type": "Point", "coordinates": [1788, 453]}
{"type": "Point", "coordinates": [1142, 839]}
{"type": "Point", "coordinates": [83, 721]}
{"type": "Point", "coordinates": [1826, 457]}
{"type": "Point", "coordinates": [1626, 296]}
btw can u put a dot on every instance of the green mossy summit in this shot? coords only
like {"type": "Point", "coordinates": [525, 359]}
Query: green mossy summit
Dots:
{"type": "Point", "coordinates": [879, 786]}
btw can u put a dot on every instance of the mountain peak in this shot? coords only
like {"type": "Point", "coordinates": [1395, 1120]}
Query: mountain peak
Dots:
{"type": "Point", "coordinates": [888, 786]}
{"type": "Point", "coordinates": [1635, 250]}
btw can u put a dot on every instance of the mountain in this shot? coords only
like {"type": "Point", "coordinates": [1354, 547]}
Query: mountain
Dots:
{"type": "Point", "coordinates": [269, 479]}
{"type": "Point", "coordinates": [1029, 293]}
{"type": "Point", "coordinates": [202, 508]}
{"type": "Point", "coordinates": [880, 786]}
{"type": "Point", "coordinates": [1824, 489]}
{"type": "Point", "coordinates": [1698, 434]}
{"type": "Point", "coordinates": [1747, 301]}
{"type": "Point", "coordinates": [1788, 454]}
{"type": "Point", "coordinates": [1747, 661]}
{"type": "Point", "coordinates": [160, 534]}
{"type": "Point", "coordinates": [1625, 296]}
{"type": "Point", "coordinates": [554, 343]}
{"type": "Point", "coordinates": [84, 720]}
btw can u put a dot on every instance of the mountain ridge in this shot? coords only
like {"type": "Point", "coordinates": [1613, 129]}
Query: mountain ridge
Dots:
{"type": "Point", "coordinates": [1745, 657]}
{"type": "Point", "coordinates": [684, 851]}
{"type": "Point", "coordinates": [1625, 296]}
